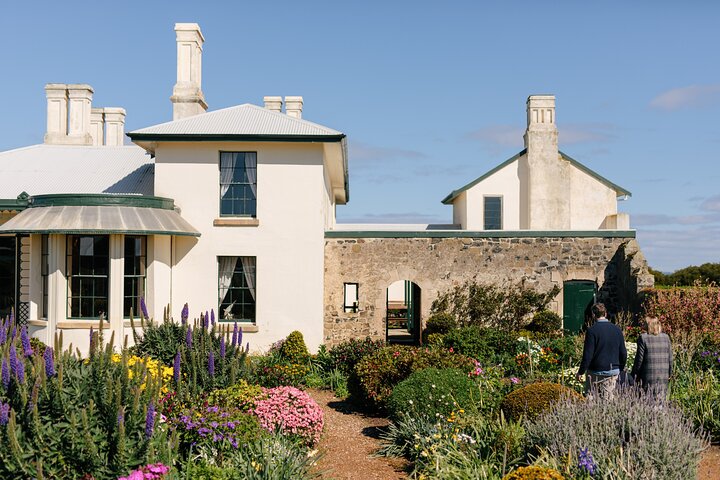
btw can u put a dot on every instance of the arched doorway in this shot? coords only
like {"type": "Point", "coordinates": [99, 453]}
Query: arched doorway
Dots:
{"type": "Point", "coordinates": [402, 313]}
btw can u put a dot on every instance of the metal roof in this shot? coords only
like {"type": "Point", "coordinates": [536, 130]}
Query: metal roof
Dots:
{"type": "Point", "coordinates": [96, 219]}
{"type": "Point", "coordinates": [455, 193]}
{"type": "Point", "coordinates": [43, 169]}
{"type": "Point", "coordinates": [241, 120]}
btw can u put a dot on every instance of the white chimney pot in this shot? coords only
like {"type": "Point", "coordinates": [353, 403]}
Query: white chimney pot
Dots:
{"type": "Point", "coordinates": [114, 126]}
{"type": "Point", "coordinates": [294, 106]}
{"type": "Point", "coordinates": [187, 97]}
{"type": "Point", "coordinates": [57, 112]}
{"type": "Point", "coordinates": [273, 104]}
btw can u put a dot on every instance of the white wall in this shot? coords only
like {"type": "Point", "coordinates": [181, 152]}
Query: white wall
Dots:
{"type": "Point", "coordinates": [591, 201]}
{"type": "Point", "coordinates": [504, 183]}
{"type": "Point", "coordinates": [396, 291]}
{"type": "Point", "coordinates": [288, 243]}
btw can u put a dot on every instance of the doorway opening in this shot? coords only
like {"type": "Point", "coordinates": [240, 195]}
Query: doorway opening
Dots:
{"type": "Point", "coordinates": [402, 319]}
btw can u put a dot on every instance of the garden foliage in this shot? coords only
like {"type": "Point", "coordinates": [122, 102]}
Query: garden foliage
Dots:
{"type": "Point", "coordinates": [434, 393]}
{"type": "Point", "coordinates": [347, 354]}
{"type": "Point", "coordinates": [291, 412]}
{"type": "Point", "coordinates": [441, 323]}
{"type": "Point", "coordinates": [506, 307]}
{"type": "Point", "coordinates": [631, 436]}
{"type": "Point", "coordinates": [545, 323]}
{"type": "Point", "coordinates": [533, 399]}
{"type": "Point", "coordinates": [65, 417]}
{"type": "Point", "coordinates": [687, 311]}
{"type": "Point", "coordinates": [293, 349]}
{"type": "Point", "coordinates": [376, 375]}
{"type": "Point", "coordinates": [534, 473]}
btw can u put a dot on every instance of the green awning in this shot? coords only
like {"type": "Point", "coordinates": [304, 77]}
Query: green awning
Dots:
{"type": "Point", "coordinates": [99, 219]}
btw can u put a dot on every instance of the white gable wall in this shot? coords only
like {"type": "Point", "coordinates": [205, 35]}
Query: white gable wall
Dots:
{"type": "Point", "coordinates": [288, 242]}
{"type": "Point", "coordinates": [591, 201]}
{"type": "Point", "coordinates": [505, 183]}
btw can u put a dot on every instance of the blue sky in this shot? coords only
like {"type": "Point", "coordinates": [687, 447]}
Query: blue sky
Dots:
{"type": "Point", "coordinates": [430, 94]}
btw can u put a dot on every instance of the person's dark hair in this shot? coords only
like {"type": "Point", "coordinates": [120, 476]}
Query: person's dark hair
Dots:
{"type": "Point", "coordinates": [599, 310]}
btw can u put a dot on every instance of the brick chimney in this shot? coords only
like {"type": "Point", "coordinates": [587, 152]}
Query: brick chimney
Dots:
{"type": "Point", "coordinates": [187, 97]}
{"type": "Point", "coordinates": [547, 199]}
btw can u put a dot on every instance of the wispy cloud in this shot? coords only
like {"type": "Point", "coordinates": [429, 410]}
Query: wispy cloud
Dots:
{"type": "Point", "coordinates": [402, 217]}
{"type": "Point", "coordinates": [645, 220]}
{"type": "Point", "coordinates": [500, 135]}
{"type": "Point", "coordinates": [661, 247]}
{"type": "Point", "coordinates": [711, 204]}
{"type": "Point", "coordinates": [692, 96]}
{"type": "Point", "coordinates": [364, 152]}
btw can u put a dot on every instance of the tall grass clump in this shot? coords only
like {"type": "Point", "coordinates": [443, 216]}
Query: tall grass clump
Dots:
{"type": "Point", "coordinates": [629, 437]}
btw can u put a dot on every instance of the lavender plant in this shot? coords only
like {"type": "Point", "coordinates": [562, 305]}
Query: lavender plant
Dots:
{"type": "Point", "coordinates": [632, 436]}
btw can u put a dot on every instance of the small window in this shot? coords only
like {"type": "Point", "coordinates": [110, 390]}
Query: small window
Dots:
{"type": "Point", "coordinates": [238, 184]}
{"type": "Point", "coordinates": [236, 288]}
{"type": "Point", "coordinates": [135, 273]}
{"type": "Point", "coordinates": [44, 273]}
{"type": "Point", "coordinates": [88, 267]}
{"type": "Point", "coordinates": [351, 297]}
{"type": "Point", "coordinates": [493, 213]}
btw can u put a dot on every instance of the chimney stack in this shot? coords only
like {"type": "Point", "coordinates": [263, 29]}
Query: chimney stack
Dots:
{"type": "Point", "coordinates": [547, 202]}
{"type": "Point", "coordinates": [97, 126]}
{"type": "Point", "coordinates": [79, 106]}
{"type": "Point", "coordinates": [294, 106]}
{"type": "Point", "coordinates": [274, 104]}
{"type": "Point", "coordinates": [57, 112]}
{"type": "Point", "coordinates": [187, 97]}
{"type": "Point", "coordinates": [114, 126]}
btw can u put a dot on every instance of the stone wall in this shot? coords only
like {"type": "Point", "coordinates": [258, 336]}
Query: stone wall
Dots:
{"type": "Point", "coordinates": [436, 264]}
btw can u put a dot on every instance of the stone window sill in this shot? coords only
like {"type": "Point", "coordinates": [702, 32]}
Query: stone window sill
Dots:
{"type": "Point", "coordinates": [236, 222]}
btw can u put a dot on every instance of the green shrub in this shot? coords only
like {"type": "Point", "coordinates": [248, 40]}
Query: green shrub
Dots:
{"type": "Point", "coordinates": [505, 307]}
{"type": "Point", "coordinates": [347, 354]}
{"type": "Point", "coordinates": [630, 436]}
{"type": "Point", "coordinates": [376, 375]}
{"type": "Point", "coordinates": [534, 473]}
{"type": "Point", "coordinates": [432, 392]}
{"type": "Point", "coordinates": [435, 340]}
{"type": "Point", "coordinates": [441, 322]}
{"type": "Point", "coordinates": [242, 396]}
{"type": "Point", "coordinates": [545, 323]}
{"type": "Point", "coordinates": [489, 346]}
{"type": "Point", "coordinates": [68, 417]}
{"type": "Point", "coordinates": [159, 340]}
{"type": "Point", "coordinates": [531, 400]}
{"type": "Point", "coordinates": [697, 394]}
{"type": "Point", "coordinates": [293, 348]}
{"type": "Point", "coordinates": [270, 371]}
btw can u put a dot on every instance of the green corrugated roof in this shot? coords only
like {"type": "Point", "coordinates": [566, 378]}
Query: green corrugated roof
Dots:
{"type": "Point", "coordinates": [455, 193]}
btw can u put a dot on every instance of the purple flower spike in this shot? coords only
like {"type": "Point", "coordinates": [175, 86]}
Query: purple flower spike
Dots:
{"type": "Point", "coordinates": [222, 347]}
{"type": "Point", "coordinates": [143, 308]}
{"type": "Point", "coordinates": [212, 317]}
{"type": "Point", "coordinates": [4, 413]}
{"type": "Point", "coordinates": [49, 362]}
{"type": "Point", "coordinates": [5, 374]}
{"type": "Point", "coordinates": [211, 364]}
{"type": "Point", "coordinates": [150, 420]}
{"type": "Point", "coordinates": [247, 347]}
{"type": "Point", "coordinates": [240, 338]}
{"type": "Point", "coordinates": [188, 338]}
{"type": "Point", "coordinates": [25, 339]}
{"type": "Point", "coordinates": [184, 314]}
{"type": "Point", "coordinates": [121, 416]}
{"type": "Point", "coordinates": [176, 368]}
{"type": "Point", "coordinates": [20, 372]}
{"type": "Point", "coordinates": [206, 319]}
{"type": "Point", "coordinates": [3, 332]}
{"type": "Point", "coordinates": [13, 358]}
{"type": "Point", "coordinates": [235, 335]}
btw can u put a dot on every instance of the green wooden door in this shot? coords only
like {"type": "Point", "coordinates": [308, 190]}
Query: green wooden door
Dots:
{"type": "Point", "coordinates": [578, 297]}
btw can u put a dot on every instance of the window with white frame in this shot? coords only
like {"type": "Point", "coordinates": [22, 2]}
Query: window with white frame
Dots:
{"type": "Point", "coordinates": [350, 302]}
{"type": "Point", "coordinates": [88, 268]}
{"type": "Point", "coordinates": [236, 288]}
{"type": "Point", "coordinates": [238, 184]}
{"type": "Point", "coordinates": [492, 213]}
{"type": "Point", "coordinates": [135, 273]}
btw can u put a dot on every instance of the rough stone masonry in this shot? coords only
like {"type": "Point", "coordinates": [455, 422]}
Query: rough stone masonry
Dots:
{"type": "Point", "coordinates": [615, 263]}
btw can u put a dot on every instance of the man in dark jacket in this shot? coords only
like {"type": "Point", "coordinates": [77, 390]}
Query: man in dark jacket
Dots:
{"type": "Point", "coordinates": [604, 355]}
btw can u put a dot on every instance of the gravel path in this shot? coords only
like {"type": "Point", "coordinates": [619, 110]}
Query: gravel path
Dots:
{"type": "Point", "coordinates": [349, 442]}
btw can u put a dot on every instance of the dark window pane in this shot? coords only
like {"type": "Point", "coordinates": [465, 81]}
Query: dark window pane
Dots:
{"type": "Point", "coordinates": [493, 213]}
{"type": "Point", "coordinates": [238, 173]}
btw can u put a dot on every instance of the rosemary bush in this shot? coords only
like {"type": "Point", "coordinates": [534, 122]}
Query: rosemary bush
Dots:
{"type": "Point", "coordinates": [630, 437]}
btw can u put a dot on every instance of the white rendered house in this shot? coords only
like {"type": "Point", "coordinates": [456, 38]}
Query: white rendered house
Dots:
{"type": "Point", "coordinates": [233, 211]}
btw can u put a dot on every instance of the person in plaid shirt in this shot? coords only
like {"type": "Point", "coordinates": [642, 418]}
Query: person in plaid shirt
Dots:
{"type": "Point", "coordinates": [653, 360]}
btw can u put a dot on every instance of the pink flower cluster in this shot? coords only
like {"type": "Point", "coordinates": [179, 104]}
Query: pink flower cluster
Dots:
{"type": "Point", "coordinates": [154, 471]}
{"type": "Point", "coordinates": [290, 411]}
{"type": "Point", "coordinates": [477, 371]}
